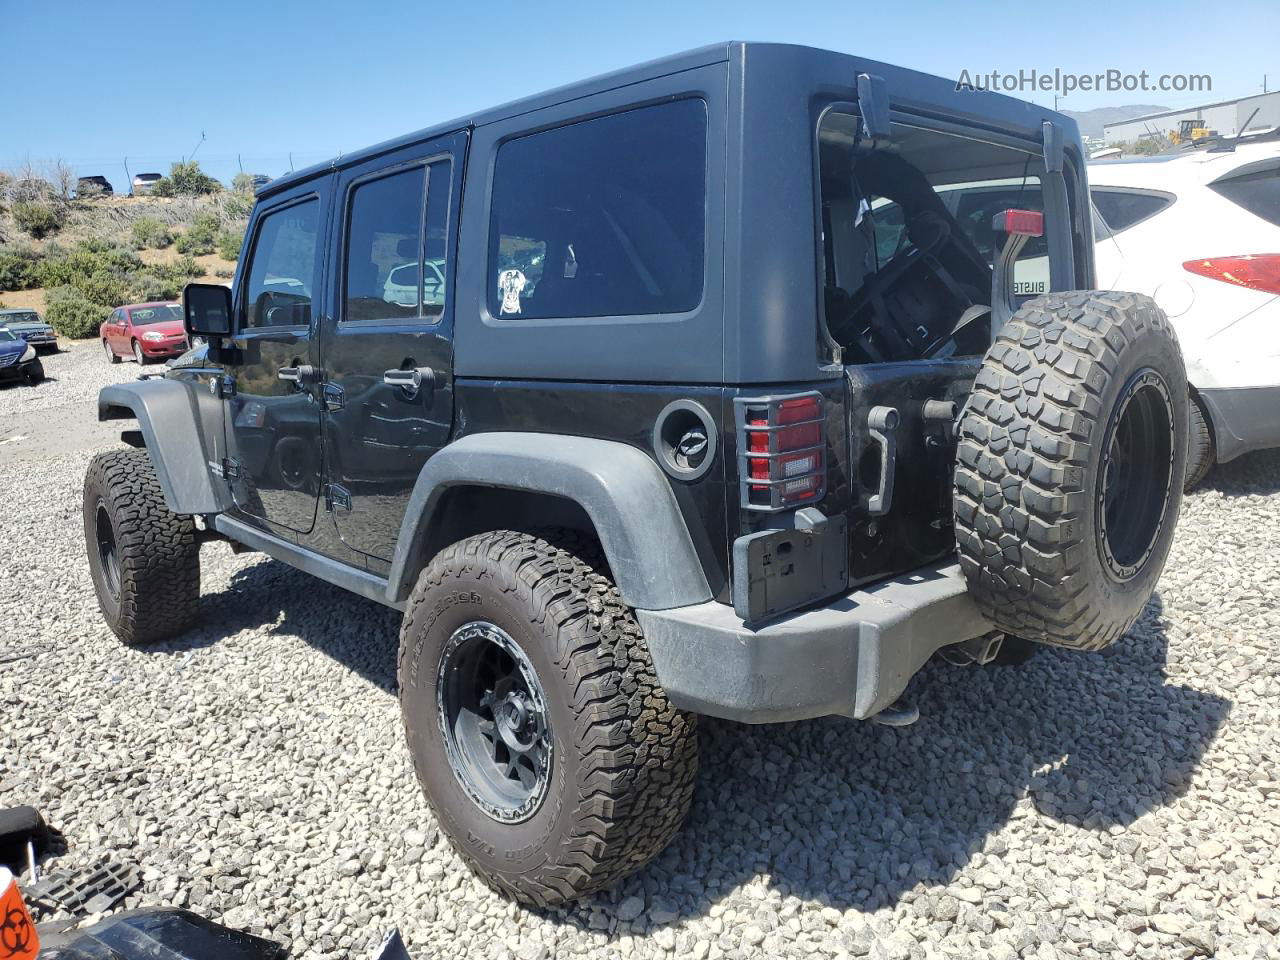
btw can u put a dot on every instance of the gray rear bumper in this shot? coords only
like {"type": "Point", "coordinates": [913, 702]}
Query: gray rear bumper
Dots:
{"type": "Point", "coordinates": [1244, 419]}
{"type": "Point", "coordinates": [852, 657]}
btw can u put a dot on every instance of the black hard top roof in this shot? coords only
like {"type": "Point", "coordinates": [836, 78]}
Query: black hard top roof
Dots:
{"type": "Point", "coordinates": [904, 84]}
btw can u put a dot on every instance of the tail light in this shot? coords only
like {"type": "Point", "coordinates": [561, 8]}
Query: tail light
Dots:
{"type": "Point", "coordinates": [781, 454]}
{"type": "Point", "coordinates": [1258, 271]}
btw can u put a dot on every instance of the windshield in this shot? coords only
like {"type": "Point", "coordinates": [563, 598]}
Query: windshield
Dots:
{"type": "Point", "coordinates": [145, 315]}
{"type": "Point", "coordinates": [21, 318]}
{"type": "Point", "coordinates": [5, 336]}
{"type": "Point", "coordinates": [908, 240]}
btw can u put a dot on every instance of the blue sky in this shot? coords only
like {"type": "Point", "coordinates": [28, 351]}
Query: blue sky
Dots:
{"type": "Point", "coordinates": [93, 83]}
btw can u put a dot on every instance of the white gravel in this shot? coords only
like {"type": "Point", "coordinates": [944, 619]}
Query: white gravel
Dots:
{"type": "Point", "coordinates": [74, 376]}
{"type": "Point", "coordinates": [1117, 804]}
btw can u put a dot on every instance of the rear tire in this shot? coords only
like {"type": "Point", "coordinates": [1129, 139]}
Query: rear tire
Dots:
{"type": "Point", "coordinates": [1069, 467]}
{"type": "Point", "coordinates": [516, 654]}
{"type": "Point", "coordinates": [1200, 449]}
{"type": "Point", "coordinates": [144, 559]}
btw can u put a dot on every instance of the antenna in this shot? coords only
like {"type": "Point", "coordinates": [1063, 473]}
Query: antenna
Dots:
{"type": "Point", "coordinates": [1229, 146]}
{"type": "Point", "coordinates": [291, 161]}
{"type": "Point", "coordinates": [127, 176]}
{"type": "Point", "coordinates": [239, 164]}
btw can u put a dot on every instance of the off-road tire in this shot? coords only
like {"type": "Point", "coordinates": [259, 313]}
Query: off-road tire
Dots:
{"type": "Point", "coordinates": [1200, 450]}
{"type": "Point", "coordinates": [158, 553]}
{"type": "Point", "coordinates": [1034, 442]}
{"type": "Point", "coordinates": [624, 758]}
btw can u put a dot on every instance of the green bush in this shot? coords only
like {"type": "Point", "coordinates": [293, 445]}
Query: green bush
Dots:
{"type": "Point", "coordinates": [164, 281]}
{"type": "Point", "coordinates": [186, 180]}
{"type": "Point", "coordinates": [18, 268]}
{"type": "Point", "coordinates": [68, 266]}
{"type": "Point", "coordinates": [72, 314]}
{"type": "Point", "coordinates": [201, 237]}
{"type": "Point", "coordinates": [229, 244]}
{"type": "Point", "coordinates": [239, 205]}
{"type": "Point", "coordinates": [101, 272]}
{"type": "Point", "coordinates": [150, 233]}
{"type": "Point", "coordinates": [243, 183]}
{"type": "Point", "coordinates": [38, 219]}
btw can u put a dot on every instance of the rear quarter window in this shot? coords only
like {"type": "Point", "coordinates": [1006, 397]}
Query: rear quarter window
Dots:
{"type": "Point", "coordinates": [603, 217]}
{"type": "Point", "coordinates": [1259, 193]}
{"type": "Point", "coordinates": [1122, 209]}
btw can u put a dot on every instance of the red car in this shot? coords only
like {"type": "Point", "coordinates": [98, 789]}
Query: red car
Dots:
{"type": "Point", "coordinates": [144, 331]}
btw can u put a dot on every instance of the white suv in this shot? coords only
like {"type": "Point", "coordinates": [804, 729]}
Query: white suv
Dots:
{"type": "Point", "coordinates": [1200, 232]}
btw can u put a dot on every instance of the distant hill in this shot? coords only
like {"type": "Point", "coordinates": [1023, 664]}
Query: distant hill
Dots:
{"type": "Point", "coordinates": [1092, 121]}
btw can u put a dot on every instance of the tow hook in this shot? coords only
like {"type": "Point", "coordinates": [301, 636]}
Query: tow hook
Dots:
{"type": "Point", "coordinates": [900, 713]}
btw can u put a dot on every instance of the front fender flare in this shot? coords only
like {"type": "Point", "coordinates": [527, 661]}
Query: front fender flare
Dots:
{"type": "Point", "coordinates": [622, 490]}
{"type": "Point", "coordinates": [170, 425]}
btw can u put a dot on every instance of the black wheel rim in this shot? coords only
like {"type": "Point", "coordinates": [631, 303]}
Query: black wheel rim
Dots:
{"type": "Point", "coordinates": [1136, 479]}
{"type": "Point", "coordinates": [107, 555]}
{"type": "Point", "coordinates": [493, 715]}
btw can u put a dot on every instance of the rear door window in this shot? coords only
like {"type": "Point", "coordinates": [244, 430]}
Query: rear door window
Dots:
{"type": "Point", "coordinates": [1259, 193]}
{"type": "Point", "coordinates": [1122, 209]}
{"type": "Point", "coordinates": [604, 217]}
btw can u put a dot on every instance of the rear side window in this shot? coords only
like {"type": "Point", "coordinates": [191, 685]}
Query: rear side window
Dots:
{"type": "Point", "coordinates": [604, 217]}
{"type": "Point", "coordinates": [1259, 193]}
{"type": "Point", "coordinates": [1122, 209]}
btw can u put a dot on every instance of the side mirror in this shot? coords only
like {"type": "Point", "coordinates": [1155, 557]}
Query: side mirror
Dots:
{"type": "Point", "coordinates": [206, 310]}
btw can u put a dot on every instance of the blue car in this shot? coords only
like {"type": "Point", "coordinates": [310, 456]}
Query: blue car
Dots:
{"type": "Point", "coordinates": [28, 325]}
{"type": "Point", "coordinates": [18, 360]}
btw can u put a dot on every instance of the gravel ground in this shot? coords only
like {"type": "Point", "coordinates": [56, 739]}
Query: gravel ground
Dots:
{"type": "Point", "coordinates": [60, 415]}
{"type": "Point", "coordinates": [1125, 803]}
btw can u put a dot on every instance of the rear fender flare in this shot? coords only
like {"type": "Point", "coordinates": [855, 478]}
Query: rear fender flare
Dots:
{"type": "Point", "coordinates": [621, 489]}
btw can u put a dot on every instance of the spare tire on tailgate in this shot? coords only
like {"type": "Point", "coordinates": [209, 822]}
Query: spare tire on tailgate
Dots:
{"type": "Point", "coordinates": [1069, 467]}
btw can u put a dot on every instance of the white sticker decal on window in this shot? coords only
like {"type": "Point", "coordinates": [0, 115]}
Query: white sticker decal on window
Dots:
{"type": "Point", "coordinates": [510, 284]}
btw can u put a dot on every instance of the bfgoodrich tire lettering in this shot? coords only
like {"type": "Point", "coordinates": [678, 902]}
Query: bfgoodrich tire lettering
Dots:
{"type": "Point", "coordinates": [144, 559]}
{"type": "Point", "coordinates": [1045, 450]}
{"type": "Point", "coordinates": [622, 758]}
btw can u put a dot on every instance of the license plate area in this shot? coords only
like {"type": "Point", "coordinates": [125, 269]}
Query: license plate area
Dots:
{"type": "Point", "coordinates": [775, 571]}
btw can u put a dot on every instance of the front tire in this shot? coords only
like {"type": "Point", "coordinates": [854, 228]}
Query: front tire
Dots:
{"type": "Point", "coordinates": [144, 559]}
{"type": "Point", "coordinates": [112, 356]}
{"type": "Point", "coordinates": [553, 760]}
{"type": "Point", "coordinates": [35, 372]}
{"type": "Point", "coordinates": [139, 357]}
{"type": "Point", "coordinates": [1070, 465]}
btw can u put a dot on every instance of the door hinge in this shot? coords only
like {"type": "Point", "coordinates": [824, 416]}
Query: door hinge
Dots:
{"type": "Point", "coordinates": [223, 387]}
{"type": "Point", "coordinates": [336, 497]}
{"type": "Point", "coordinates": [227, 469]}
{"type": "Point", "coordinates": [335, 398]}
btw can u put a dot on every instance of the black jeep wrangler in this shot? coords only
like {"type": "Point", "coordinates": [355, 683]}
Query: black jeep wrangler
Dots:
{"type": "Point", "coordinates": [713, 386]}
